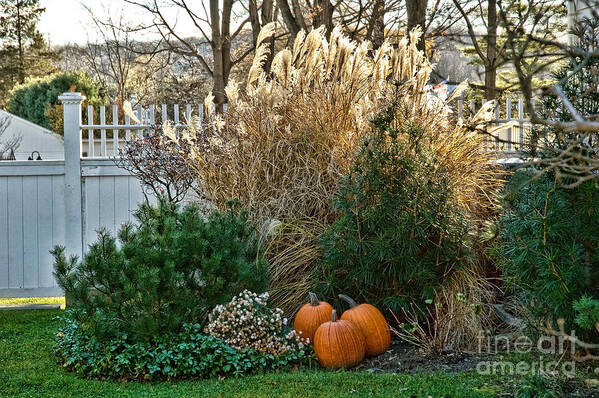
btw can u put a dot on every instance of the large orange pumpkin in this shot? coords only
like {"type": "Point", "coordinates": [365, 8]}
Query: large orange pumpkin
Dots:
{"type": "Point", "coordinates": [311, 316]}
{"type": "Point", "coordinates": [339, 343]}
{"type": "Point", "coordinates": [372, 324]}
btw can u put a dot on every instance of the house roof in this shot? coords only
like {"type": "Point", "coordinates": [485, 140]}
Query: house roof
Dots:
{"type": "Point", "coordinates": [34, 127]}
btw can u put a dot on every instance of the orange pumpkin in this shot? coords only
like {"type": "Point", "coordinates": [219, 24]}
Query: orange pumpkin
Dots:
{"type": "Point", "coordinates": [311, 316]}
{"type": "Point", "coordinates": [339, 344]}
{"type": "Point", "coordinates": [372, 324]}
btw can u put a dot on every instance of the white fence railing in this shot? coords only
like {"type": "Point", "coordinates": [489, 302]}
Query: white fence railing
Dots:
{"type": "Point", "coordinates": [114, 128]}
{"type": "Point", "coordinates": [103, 139]}
{"type": "Point", "coordinates": [511, 127]}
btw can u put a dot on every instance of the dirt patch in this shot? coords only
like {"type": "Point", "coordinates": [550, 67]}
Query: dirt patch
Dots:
{"type": "Point", "coordinates": [405, 358]}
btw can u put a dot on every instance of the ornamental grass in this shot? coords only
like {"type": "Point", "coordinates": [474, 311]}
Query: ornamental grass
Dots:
{"type": "Point", "coordinates": [289, 135]}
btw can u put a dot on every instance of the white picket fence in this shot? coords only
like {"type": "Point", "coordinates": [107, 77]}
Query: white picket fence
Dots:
{"type": "Point", "coordinates": [64, 202]}
{"type": "Point", "coordinates": [514, 127]}
{"type": "Point", "coordinates": [96, 142]}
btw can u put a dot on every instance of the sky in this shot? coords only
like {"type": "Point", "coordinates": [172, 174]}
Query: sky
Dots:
{"type": "Point", "coordinates": [67, 21]}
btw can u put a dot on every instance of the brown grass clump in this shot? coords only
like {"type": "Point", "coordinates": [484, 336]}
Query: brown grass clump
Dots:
{"type": "Point", "coordinates": [288, 136]}
{"type": "Point", "coordinates": [453, 320]}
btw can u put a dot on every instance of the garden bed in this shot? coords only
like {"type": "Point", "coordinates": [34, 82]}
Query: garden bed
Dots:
{"type": "Point", "coordinates": [405, 358]}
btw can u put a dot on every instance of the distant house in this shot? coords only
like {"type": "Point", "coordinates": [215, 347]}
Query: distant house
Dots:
{"type": "Point", "coordinates": [33, 138]}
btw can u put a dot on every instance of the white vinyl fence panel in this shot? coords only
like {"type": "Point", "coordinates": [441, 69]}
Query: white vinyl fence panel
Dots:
{"type": "Point", "coordinates": [64, 202]}
{"type": "Point", "coordinates": [32, 213]}
{"type": "Point", "coordinates": [110, 195]}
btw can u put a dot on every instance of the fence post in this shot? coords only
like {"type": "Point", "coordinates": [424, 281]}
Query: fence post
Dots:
{"type": "Point", "coordinates": [72, 165]}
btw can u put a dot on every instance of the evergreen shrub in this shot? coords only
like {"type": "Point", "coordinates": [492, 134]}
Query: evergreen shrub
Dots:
{"type": "Point", "coordinates": [170, 269]}
{"type": "Point", "coordinates": [549, 240]}
{"type": "Point", "coordinates": [549, 246]}
{"type": "Point", "coordinates": [36, 100]}
{"type": "Point", "coordinates": [400, 231]}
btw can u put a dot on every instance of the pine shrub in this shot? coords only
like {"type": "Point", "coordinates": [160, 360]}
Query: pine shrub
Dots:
{"type": "Point", "coordinates": [171, 269]}
{"type": "Point", "coordinates": [587, 313]}
{"type": "Point", "coordinates": [549, 244]}
{"type": "Point", "coordinates": [572, 155]}
{"type": "Point", "coordinates": [400, 231]}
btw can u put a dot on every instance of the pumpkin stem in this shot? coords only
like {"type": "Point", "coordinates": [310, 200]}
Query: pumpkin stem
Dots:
{"type": "Point", "coordinates": [352, 303]}
{"type": "Point", "coordinates": [313, 299]}
{"type": "Point", "coordinates": [334, 316]}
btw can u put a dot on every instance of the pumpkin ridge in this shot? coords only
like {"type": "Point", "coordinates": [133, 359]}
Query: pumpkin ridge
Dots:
{"type": "Point", "coordinates": [345, 342]}
{"type": "Point", "coordinates": [309, 317]}
{"type": "Point", "coordinates": [373, 326]}
{"type": "Point", "coordinates": [339, 343]}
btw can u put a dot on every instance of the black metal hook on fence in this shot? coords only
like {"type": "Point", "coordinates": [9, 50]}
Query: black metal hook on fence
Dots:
{"type": "Point", "coordinates": [39, 156]}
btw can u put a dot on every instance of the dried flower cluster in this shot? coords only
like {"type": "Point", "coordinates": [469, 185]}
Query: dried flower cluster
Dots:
{"type": "Point", "coordinates": [247, 322]}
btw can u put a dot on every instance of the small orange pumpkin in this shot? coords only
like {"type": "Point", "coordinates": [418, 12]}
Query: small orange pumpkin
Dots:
{"type": "Point", "coordinates": [311, 316]}
{"type": "Point", "coordinates": [372, 324]}
{"type": "Point", "coordinates": [339, 344]}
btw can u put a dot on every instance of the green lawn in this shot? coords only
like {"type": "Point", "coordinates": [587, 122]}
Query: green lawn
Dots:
{"type": "Point", "coordinates": [27, 369]}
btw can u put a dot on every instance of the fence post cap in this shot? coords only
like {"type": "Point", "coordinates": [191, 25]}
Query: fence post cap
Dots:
{"type": "Point", "coordinates": [69, 98]}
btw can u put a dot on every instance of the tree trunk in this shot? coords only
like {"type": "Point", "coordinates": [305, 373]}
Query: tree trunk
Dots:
{"type": "Point", "coordinates": [324, 15]}
{"type": "Point", "coordinates": [417, 17]}
{"type": "Point", "coordinates": [254, 20]}
{"type": "Point", "coordinates": [491, 64]}
{"type": "Point", "coordinates": [21, 73]}
{"type": "Point", "coordinates": [376, 25]}
{"type": "Point", "coordinates": [294, 23]}
{"type": "Point", "coordinates": [267, 16]}
{"type": "Point", "coordinates": [226, 36]}
{"type": "Point", "coordinates": [218, 71]}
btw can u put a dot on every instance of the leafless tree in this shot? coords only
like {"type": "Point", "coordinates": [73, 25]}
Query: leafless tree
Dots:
{"type": "Point", "coordinates": [490, 48]}
{"type": "Point", "coordinates": [219, 25]}
{"type": "Point", "coordinates": [571, 142]}
{"type": "Point", "coordinates": [477, 12]}
{"type": "Point", "coordinates": [7, 144]}
{"type": "Point", "coordinates": [417, 18]}
{"type": "Point", "coordinates": [371, 20]}
{"type": "Point", "coordinates": [298, 16]}
{"type": "Point", "coordinates": [112, 59]}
